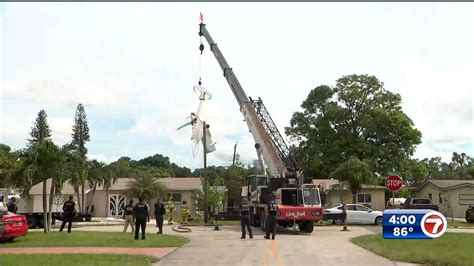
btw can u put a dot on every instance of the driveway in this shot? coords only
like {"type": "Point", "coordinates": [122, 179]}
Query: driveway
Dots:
{"type": "Point", "coordinates": [325, 246]}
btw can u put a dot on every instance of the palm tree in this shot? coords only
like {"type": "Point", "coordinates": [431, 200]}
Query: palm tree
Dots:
{"type": "Point", "coordinates": [38, 163]}
{"type": "Point", "coordinates": [100, 174]}
{"type": "Point", "coordinates": [77, 172]}
{"type": "Point", "coordinates": [146, 187]}
{"type": "Point", "coordinates": [57, 174]}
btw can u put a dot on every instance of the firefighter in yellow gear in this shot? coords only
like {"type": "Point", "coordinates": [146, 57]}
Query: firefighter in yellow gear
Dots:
{"type": "Point", "coordinates": [170, 210]}
{"type": "Point", "coordinates": [184, 213]}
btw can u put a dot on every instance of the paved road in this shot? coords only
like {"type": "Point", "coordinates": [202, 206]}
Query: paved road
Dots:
{"type": "Point", "coordinates": [325, 246]}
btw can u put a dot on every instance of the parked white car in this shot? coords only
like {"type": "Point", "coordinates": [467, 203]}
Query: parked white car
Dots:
{"type": "Point", "coordinates": [357, 214]}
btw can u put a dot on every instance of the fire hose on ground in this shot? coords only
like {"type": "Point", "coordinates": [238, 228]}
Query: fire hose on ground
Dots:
{"type": "Point", "coordinates": [185, 228]}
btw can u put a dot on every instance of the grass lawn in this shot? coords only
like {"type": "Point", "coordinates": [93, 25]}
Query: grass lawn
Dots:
{"type": "Point", "coordinates": [76, 259]}
{"type": "Point", "coordinates": [94, 239]}
{"type": "Point", "coordinates": [459, 223]}
{"type": "Point", "coordinates": [449, 249]}
{"type": "Point", "coordinates": [229, 223]}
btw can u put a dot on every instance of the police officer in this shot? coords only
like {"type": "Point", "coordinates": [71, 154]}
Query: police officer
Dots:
{"type": "Point", "coordinates": [128, 216]}
{"type": "Point", "coordinates": [245, 217]}
{"type": "Point", "coordinates": [12, 205]}
{"type": "Point", "coordinates": [159, 212]}
{"type": "Point", "coordinates": [271, 221]}
{"type": "Point", "coordinates": [69, 209]}
{"type": "Point", "coordinates": [140, 213]}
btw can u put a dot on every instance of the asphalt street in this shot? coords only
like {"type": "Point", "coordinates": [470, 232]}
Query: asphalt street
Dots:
{"type": "Point", "coordinates": [327, 245]}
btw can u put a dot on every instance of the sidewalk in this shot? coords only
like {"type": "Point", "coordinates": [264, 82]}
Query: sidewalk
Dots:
{"type": "Point", "coordinates": [155, 252]}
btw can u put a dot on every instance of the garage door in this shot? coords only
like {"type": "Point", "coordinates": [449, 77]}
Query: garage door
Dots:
{"type": "Point", "coordinates": [466, 199]}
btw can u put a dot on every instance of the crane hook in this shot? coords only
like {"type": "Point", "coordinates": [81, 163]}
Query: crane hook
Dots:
{"type": "Point", "coordinates": [201, 47]}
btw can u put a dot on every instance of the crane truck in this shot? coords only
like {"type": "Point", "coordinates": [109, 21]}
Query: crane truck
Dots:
{"type": "Point", "coordinates": [298, 201]}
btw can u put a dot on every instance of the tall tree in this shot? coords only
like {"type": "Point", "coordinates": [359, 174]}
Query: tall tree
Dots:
{"type": "Point", "coordinates": [433, 165]}
{"type": "Point", "coordinates": [80, 135]}
{"type": "Point", "coordinates": [40, 130]}
{"type": "Point", "coordinates": [459, 159]}
{"type": "Point", "coordinates": [356, 173]}
{"type": "Point", "coordinates": [156, 160]}
{"type": "Point", "coordinates": [459, 163]}
{"type": "Point", "coordinates": [40, 133]}
{"type": "Point", "coordinates": [470, 169]}
{"type": "Point", "coordinates": [357, 117]}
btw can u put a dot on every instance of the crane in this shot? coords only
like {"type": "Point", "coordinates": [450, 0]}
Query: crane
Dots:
{"type": "Point", "coordinates": [300, 204]}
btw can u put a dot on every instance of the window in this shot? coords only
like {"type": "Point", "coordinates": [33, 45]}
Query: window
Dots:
{"type": "Point", "coordinates": [364, 198]}
{"type": "Point", "coordinates": [421, 201]}
{"type": "Point", "coordinates": [361, 208]}
{"type": "Point", "coordinates": [350, 208]}
{"type": "Point", "coordinates": [176, 197]}
{"type": "Point", "coordinates": [430, 196]}
{"type": "Point", "coordinates": [466, 199]}
{"type": "Point", "coordinates": [440, 196]}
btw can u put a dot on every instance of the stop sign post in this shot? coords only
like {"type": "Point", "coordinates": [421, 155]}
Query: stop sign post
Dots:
{"type": "Point", "coordinates": [393, 183]}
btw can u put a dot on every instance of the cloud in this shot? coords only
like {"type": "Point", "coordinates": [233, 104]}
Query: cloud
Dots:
{"type": "Point", "coordinates": [61, 129]}
{"type": "Point", "coordinates": [440, 102]}
{"type": "Point", "coordinates": [423, 151]}
{"type": "Point", "coordinates": [68, 91]}
{"type": "Point", "coordinates": [129, 64]}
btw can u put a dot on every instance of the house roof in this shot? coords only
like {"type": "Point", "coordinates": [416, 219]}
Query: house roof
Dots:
{"type": "Point", "coordinates": [447, 184]}
{"type": "Point", "coordinates": [171, 183]}
{"type": "Point", "coordinates": [325, 183]}
{"type": "Point", "coordinates": [334, 184]}
{"type": "Point", "coordinates": [182, 183]}
{"type": "Point", "coordinates": [345, 186]}
{"type": "Point", "coordinates": [68, 189]}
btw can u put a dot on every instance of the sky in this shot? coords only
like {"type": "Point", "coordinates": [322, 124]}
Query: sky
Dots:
{"type": "Point", "coordinates": [134, 65]}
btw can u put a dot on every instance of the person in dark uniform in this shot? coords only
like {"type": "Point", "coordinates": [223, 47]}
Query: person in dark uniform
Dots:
{"type": "Point", "coordinates": [12, 205]}
{"type": "Point", "coordinates": [159, 212]}
{"type": "Point", "coordinates": [128, 216]}
{"type": "Point", "coordinates": [140, 213]}
{"type": "Point", "coordinates": [69, 209]}
{"type": "Point", "coordinates": [271, 220]}
{"type": "Point", "coordinates": [245, 217]}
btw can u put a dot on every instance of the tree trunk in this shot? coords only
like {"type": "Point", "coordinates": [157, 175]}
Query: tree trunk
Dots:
{"type": "Point", "coordinates": [354, 197]}
{"type": "Point", "coordinates": [83, 201]}
{"type": "Point", "coordinates": [106, 202]}
{"type": "Point", "coordinates": [51, 194]}
{"type": "Point", "coordinates": [45, 208]}
{"type": "Point", "coordinates": [76, 189]}
{"type": "Point", "coordinates": [91, 198]}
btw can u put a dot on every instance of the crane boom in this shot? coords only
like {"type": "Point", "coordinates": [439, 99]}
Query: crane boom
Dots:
{"type": "Point", "coordinates": [274, 149]}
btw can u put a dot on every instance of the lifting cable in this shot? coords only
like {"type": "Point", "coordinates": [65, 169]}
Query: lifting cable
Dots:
{"type": "Point", "coordinates": [201, 48]}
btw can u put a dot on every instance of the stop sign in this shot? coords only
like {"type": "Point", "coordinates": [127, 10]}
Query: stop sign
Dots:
{"type": "Point", "coordinates": [393, 183]}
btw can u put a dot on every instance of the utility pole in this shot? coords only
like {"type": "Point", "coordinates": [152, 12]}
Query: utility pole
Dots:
{"type": "Point", "coordinates": [233, 158]}
{"type": "Point", "coordinates": [204, 127]}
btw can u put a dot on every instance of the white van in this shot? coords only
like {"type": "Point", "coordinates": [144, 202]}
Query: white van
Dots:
{"type": "Point", "coordinates": [398, 203]}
